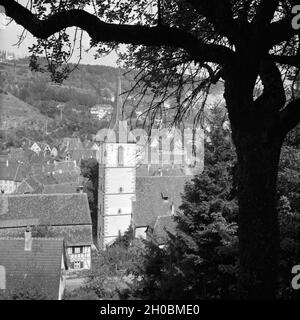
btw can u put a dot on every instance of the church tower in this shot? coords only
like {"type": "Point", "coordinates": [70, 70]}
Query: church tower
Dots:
{"type": "Point", "coordinates": [117, 176]}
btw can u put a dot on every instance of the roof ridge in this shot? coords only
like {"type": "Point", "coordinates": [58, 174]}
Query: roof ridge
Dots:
{"type": "Point", "coordinates": [34, 238]}
{"type": "Point", "coordinates": [182, 176]}
{"type": "Point", "coordinates": [43, 194]}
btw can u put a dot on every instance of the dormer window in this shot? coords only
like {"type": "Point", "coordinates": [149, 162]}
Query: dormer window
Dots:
{"type": "Point", "coordinates": [165, 198]}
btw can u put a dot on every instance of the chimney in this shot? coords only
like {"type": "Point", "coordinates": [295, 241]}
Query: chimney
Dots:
{"type": "Point", "coordinates": [28, 239]}
{"type": "Point", "coordinates": [7, 162]}
{"type": "Point", "coordinates": [80, 189]}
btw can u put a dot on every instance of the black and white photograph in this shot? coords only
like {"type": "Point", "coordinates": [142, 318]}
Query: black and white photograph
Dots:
{"type": "Point", "coordinates": [149, 151]}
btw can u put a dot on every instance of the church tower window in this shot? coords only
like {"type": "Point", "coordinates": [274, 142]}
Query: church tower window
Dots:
{"type": "Point", "coordinates": [120, 156]}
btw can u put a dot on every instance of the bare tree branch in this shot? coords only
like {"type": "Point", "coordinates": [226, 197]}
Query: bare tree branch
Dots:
{"type": "Point", "coordinates": [219, 13]}
{"type": "Point", "coordinates": [100, 31]}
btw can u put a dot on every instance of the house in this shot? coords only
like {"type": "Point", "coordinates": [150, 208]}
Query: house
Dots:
{"type": "Point", "coordinates": [37, 264]}
{"type": "Point", "coordinates": [51, 179]}
{"type": "Point", "coordinates": [11, 175]}
{"type": "Point", "coordinates": [156, 196]}
{"type": "Point", "coordinates": [78, 155]}
{"type": "Point", "coordinates": [29, 185]}
{"type": "Point", "coordinates": [71, 144]}
{"type": "Point", "coordinates": [54, 152]}
{"type": "Point", "coordinates": [36, 148]}
{"type": "Point", "coordinates": [58, 215]}
{"type": "Point", "coordinates": [101, 111]}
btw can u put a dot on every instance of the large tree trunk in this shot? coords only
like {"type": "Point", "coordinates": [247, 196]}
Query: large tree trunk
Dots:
{"type": "Point", "coordinates": [258, 223]}
{"type": "Point", "coordinates": [255, 130]}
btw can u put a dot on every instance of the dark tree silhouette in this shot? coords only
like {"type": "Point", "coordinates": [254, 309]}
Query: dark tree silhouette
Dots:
{"type": "Point", "coordinates": [250, 44]}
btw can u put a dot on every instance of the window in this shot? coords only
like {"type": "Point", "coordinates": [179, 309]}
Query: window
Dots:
{"type": "Point", "coordinates": [104, 157]}
{"type": "Point", "coordinates": [120, 189]}
{"type": "Point", "coordinates": [77, 264]}
{"type": "Point", "coordinates": [120, 156]}
{"type": "Point", "coordinates": [77, 250]}
{"type": "Point", "coordinates": [165, 198]}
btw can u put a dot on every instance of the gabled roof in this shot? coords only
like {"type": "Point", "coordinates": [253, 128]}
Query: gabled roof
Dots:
{"type": "Point", "coordinates": [15, 223]}
{"type": "Point", "coordinates": [151, 194]}
{"type": "Point", "coordinates": [66, 177]}
{"type": "Point", "coordinates": [72, 143]}
{"type": "Point", "coordinates": [163, 225]}
{"type": "Point", "coordinates": [12, 170]}
{"type": "Point", "coordinates": [50, 209]}
{"type": "Point", "coordinates": [40, 267]}
{"type": "Point", "coordinates": [65, 166]}
{"type": "Point", "coordinates": [25, 187]}
{"type": "Point", "coordinates": [55, 182]}
{"type": "Point", "coordinates": [80, 154]}
{"type": "Point", "coordinates": [79, 236]}
{"type": "Point", "coordinates": [159, 169]}
{"type": "Point", "coordinates": [61, 188]}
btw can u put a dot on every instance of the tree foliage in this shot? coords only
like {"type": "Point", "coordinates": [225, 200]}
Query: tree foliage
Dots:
{"type": "Point", "coordinates": [201, 260]}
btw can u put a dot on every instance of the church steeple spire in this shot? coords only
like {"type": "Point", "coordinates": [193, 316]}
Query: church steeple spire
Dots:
{"type": "Point", "coordinates": [117, 123]}
{"type": "Point", "coordinates": [117, 114]}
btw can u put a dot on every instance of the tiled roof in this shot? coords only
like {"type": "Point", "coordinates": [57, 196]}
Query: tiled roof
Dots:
{"type": "Point", "coordinates": [66, 177]}
{"type": "Point", "coordinates": [80, 154]}
{"type": "Point", "coordinates": [40, 267]}
{"type": "Point", "coordinates": [75, 235]}
{"type": "Point", "coordinates": [162, 226]}
{"type": "Point", "coordinates": [50, 209]}
{"type": "Point", "coordinates": [17, 154]}
{"type": "Point", "coordinates": [12, 170]}
{"type": "Point", "coordinates": [61, 188]}
{"type": "Point", "coordinates": [150, 194]}
{"type": "Point", "coordinates": [66, 182]}
{"type": "Point", "coordinates": [65, 166]}
{"type": "Point", "coordinates": [23, 188]}
{"type": "Point", "coordinates": [15, 223]}
{"type": "Point", "coordinates": [72, 143]}
{"type": "Point", "coordinates": [43, 179]}
{"type": "Point", "coordinates": [157, 170]}
{"type": "Point", "coordinates": [29, 185]}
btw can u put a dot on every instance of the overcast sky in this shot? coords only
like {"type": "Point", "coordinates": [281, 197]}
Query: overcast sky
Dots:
{"type": "Point", "coordinates": [9, 36]}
